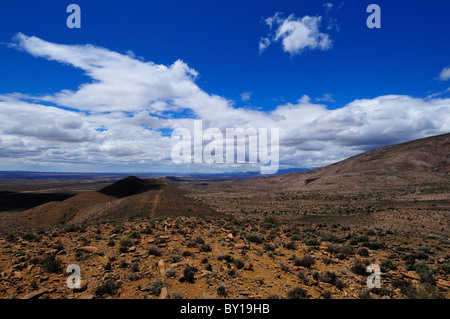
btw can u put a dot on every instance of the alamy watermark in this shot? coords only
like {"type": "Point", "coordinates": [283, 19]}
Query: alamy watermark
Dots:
{"type": "Point", "coordinates": [374, 279]}
{"type": "Point", "coordinates": [74, 279]}
{"type": "Point", "coordinates": [249, 145]}
{"type": "Point", "coordinates": [374, 19]}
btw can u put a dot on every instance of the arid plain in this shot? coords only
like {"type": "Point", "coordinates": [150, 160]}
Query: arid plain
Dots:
{"type": "Point", "coordinates": [300, 235]}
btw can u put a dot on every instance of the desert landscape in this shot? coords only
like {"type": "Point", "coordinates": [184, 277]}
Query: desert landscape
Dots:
{"type": "Point", "coordinates": [307, 235]}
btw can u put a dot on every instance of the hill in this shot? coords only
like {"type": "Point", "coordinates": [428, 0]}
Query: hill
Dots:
{"type": "Point", "coordinates": [131, 185]}
{"type": "Point", "coordinates": [127, 198]}
{"type": "Point", "coordinates": [404, 186]}
{"type": "Point", "coordinates": [419, 163]}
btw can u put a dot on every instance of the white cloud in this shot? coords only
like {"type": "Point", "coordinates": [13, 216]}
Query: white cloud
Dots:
{"type": "Point", "coordinates": [333, 25]}
{"type": "Point", "coordinates": [245, 96]}
{"type": "Point", "coordinates": [114, 121]}
{"type": "Point", "coordinates": [327, 97]}
{"type": "Point", "coordinates": [445, 74]}
{"type": "Point", "coordinates": [120, 81]}
{"type": "Point", "coordinates": [332, 22]}
{"type": "Point", "coordinates": [295, 34]}
{"type": "Point", "coordinates": [263, 44]}
{"type": "Point", "coordinates": [328, 6]}
{"type": "Point", "coordinates": [437, 94]}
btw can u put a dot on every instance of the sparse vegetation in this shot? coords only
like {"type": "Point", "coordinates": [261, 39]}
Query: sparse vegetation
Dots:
{"type": "Point", "coordinates": [318, 250]}
{"type": "Point", "coordinates": [154, 251]}
{"type": "Point", "coordinates": [189, 274]}
{"type": "Point", "coordinates": [297, 293]}
{"type": "Point", "coordinates": [49, 263]}
{"type": "Point", "coordinates": [306, 261]}
{"type": "Point", "coordinates": [255, 238]}
{"type": "Point", "coordinates": [222, 290]}
{"type": "Point", "coordinates": [107, 287]}
{"type": "Point", "coordinates": [125, 244]}
{"type": "Point", "coordinates": [287, 252]}
{"type": "Point", "coordinates": [155, 287]}
{"type": "Point", "coordinates": [331, 277]}
{"type": "Point", "coordinates": [359, 268]}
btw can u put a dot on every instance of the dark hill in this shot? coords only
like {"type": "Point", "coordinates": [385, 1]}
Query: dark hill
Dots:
{"type": "Point", "coordinates": [130, 197]}
{"type": "Point", "coordinates": [131, 185]}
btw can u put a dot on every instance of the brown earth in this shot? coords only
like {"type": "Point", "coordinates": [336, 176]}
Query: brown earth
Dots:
{"type": "Point", "coordinates": [130, 197]}
{"type": "Point", "coordinates": [404, 187]}
{"type": "Point", "coordinates": [222, 258]}
{"type": "Point", "coordinates": [303, 235]}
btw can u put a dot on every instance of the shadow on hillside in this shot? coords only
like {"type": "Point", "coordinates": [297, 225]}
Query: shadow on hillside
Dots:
{"type": "Point", "coordinates": [23, 201]}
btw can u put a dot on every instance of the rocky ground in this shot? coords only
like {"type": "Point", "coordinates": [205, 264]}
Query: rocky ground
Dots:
{"type": "Point", "coordinates": [228, 257]}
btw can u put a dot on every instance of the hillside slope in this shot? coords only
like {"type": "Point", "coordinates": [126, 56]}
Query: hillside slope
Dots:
{"type": "Point", "coordinates": [128, 198]}
{"type": "Point", "coordinates": [419, 163]}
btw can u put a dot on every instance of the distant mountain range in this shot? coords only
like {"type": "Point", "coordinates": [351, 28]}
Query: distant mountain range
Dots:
{"type": "Point", "coordinates": [75, 175]}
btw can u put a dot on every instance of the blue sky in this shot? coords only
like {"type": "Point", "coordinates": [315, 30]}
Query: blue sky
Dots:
{"type": "Point", "coordinates": [395, 72]}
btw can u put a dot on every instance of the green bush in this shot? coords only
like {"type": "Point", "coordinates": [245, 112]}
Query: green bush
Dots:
{"type": "Point", "coordinates": [189, 274]}
{"type": "Point", "coordinates": [155, 287]}
{"type": "Point", "coordinates": [239, 263]}
{"type": "Point", "coordinates": [153, 250]}
{"type": "Point", "coordinates": [116, 230]}
{"type": "Point", "coordinates": [331, 238]}
{"type": "Point", "coordinates": [363, 252]}
{"type": "Point", "coordinates": [107, 287]}
{"type": "Point", "coordinates": [326, 294]}
{"type": "Point", "coordinates": [401, 284]}
{"type": "Point", "coordinates": [134, 235]}
{"type": "Point", "coordinates": [125, 243]}
{"type": "Point", "coordinates": [175, 259]}
{"type": "Point", "coordinates": [429, 291]}
{"type": "Point", "coordinates": [297, 293]}
{"type": "Point", "coordinates": [19, 253]}
{"type": "Point", "coordinates": [420, 266]}
{"type": "Point", "coordinates": [311, 241]}
{"type": "Point", "coordinates": [222, 290]}
{"type": "Point", "coordinates": [359, 268]}
{"type": "Point", "coordinates": [208, 267]}
{"type": "Point", "coordinates": [365, 294]}
{"type": "Point", "coordinates": [373, 245]}
{"type": "Point", "coordinates": [290, 245]}
{"type": "Point", "coordinates": [330, 277]}
{"type": "Point", "coordinates": [205, 248]}
{"type": "Point", "coordinates": [255, 238]}
{"type": "Point", "coordinates": [358, 239]}
{"type": "Point", "coordinates": [446, 267]}
{"type": "Point", "coordinates": [388, 264]}
{"type": "Point", "coordinates": [270, 220]}
{"type": "Point", "coordinates": [306, 261]}
{"type": "Point", "coordinates": [51, 264]}
{"type": "Point", "coordinates": [225, 257]}
{"type": "Point", "coordinates": [427, 277]}
{"type": "Point", "coordinates": [422, 252]}
{"type": "Point", "coordinates": [341, 251]}
{"type": "Point", "coordinates": [31, 237]}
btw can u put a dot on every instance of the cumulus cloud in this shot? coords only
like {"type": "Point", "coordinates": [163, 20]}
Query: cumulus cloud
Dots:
{"type": "Point", "coordinates": [295, 34]}
{"type": "Point", "coordinates": [121, 82]}
{"type": "Point", "coordinates": [445, 74]}
{"type": "Point", "coordinates": [122, 117]}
